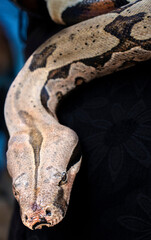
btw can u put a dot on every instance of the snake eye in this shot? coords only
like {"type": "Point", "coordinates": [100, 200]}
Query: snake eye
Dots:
{"type": "Point", "coordinates": [63, 179]}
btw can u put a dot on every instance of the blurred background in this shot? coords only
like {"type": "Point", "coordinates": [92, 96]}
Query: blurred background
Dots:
{"type": "Point", "coordinates": [13, 28]}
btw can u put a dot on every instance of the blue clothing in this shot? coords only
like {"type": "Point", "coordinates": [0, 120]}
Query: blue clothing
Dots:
{"type": "Point", "coordinates": [9, 18]}
{"type": "Point", "coordinates": [2, 150]}
{"type": "Point", "coordinates": [10, 21]}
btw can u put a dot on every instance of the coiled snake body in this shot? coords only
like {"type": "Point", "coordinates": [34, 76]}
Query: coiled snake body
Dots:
{"type": "Point", "coordinates": [44, 156]}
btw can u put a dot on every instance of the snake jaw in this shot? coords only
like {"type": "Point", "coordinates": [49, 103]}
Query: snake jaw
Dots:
{"type": "Point", "coordinates": [48, 214]}
{"type": "Point", "coordinates": [39, 218]}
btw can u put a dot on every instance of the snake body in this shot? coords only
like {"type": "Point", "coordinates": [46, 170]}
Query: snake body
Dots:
{"type": "Point", "coordinates": [43, 155]}
{"type": "Point", "coordinates": [62, 10]}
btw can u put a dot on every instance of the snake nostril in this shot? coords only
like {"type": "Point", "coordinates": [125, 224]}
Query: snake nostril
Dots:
{"type": "Point", "coordinates": [48, 212]}
{"type": "Point", "coordinates": [26, 218]}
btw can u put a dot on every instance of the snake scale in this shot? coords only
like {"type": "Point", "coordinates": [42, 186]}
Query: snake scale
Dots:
{"type": "Point", "coordinates": [44, 156]}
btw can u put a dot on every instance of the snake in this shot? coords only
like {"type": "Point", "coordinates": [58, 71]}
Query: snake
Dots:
{"type": "Point", "coordinates": [44, 156]}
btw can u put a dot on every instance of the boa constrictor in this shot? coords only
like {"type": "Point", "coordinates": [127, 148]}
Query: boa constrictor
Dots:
{"type": "Point", "coordinates": [62, 10]}
{"type": "Point", "coordinates": [44, 156]}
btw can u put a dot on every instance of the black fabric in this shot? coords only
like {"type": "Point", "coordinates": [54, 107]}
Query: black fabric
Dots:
{"type": "Point", "coordinates": [111, 197]}
{"type": "Point", "coordinates": [39, 30]}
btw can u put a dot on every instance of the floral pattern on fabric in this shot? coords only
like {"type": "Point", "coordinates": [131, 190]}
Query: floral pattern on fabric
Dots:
{"type": "Point", "coordinates": [136, 224]}
{"type": "Point", "coordinates": [124, 133]}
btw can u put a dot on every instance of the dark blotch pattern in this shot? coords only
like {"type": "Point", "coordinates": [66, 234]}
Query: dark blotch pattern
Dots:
{"type": "Point", "coordinates": [44, 98]}
{"type": "Point", "coordinates": [60, 202]}
{"type": "Point", "coordinates": [62, 72]}
{"type": "Point", "coordinates": [121, 26]}
{"type": "Point", "coordinates": [87, 9]}
{"type": "Point", "coordinates": [75, 157]}
{"type": "Point", "coordinates": [115, 28]}
{"type": "Point", "coordinates": [118, 2]}
{"type": "Point", "coordinates": [122, 32]}
{"type": "Point", "coordinates": [39, 60]}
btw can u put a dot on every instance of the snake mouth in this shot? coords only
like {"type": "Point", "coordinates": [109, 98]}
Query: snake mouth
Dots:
{"type": "Point", "coordinates": [40, 224]}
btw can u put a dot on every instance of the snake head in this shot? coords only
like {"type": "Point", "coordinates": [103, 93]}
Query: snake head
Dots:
{"type": "Point", "coordinates": [42, 186]}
